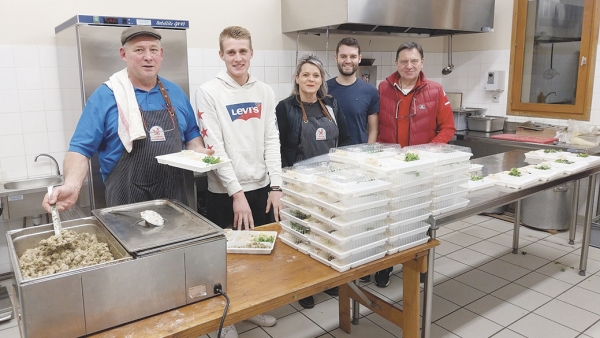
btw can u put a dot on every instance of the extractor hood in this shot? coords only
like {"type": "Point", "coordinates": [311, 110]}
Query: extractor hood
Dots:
{"type": "Point", "coordinates": [418, 18]}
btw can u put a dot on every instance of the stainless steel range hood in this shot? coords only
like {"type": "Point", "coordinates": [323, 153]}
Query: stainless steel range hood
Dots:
{"type": "Point", "coordinates": [399, 17]}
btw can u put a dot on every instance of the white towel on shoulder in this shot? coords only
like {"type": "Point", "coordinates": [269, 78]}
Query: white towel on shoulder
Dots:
{"type": "Point", "coordinates": [131, 126]}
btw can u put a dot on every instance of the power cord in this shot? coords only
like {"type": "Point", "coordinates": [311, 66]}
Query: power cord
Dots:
{"type": "Point", "coordinates": [219, 291]}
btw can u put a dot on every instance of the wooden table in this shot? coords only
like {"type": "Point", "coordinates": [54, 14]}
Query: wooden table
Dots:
{"type": "Point", "coordinates": [260, 283]}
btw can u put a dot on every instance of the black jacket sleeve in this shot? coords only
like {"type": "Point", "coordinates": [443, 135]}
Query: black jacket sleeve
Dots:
{"type": "Point", "coordinates": [282, 123]}
{"type": "Point", "coordinates": [345, 139]}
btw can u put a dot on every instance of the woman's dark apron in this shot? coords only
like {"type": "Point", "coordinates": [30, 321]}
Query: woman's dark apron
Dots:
{"type": "Point", "coordinates": [137, 176]}
{"type": "Point", "coordinates": [317, 135]}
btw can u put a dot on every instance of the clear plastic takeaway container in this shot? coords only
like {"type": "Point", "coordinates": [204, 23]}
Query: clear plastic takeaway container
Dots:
{"type": "Point", "coordinates": [360, 152]}
{"type": "Point", "coordinates": [302, 174]}
{"type": "Point", "coordinates": [351, 261]}
{"type": "Point", "coordinates": [297, 205]}
{"type": "Point", "coordinates": [438, 195]}
{"type": "Point", "coordinates": [452, 168]}
{"type": "Point", "coordinates": [395, 165]}
{"type": "Point", "coordinates": [296, 216]}
{"type": "Point", "coordinates": [407, 230]}
{"type": "Point", "coordinates": [348, 234]}
{"type": "Point", "coordinates": [400, 206]}
{"type": "Point", "coordinates": [409, 179]}
{"type": "Point", "coordinates": [349, 205]}
{"type": "Point", "coordinates": [448, 205]}
{"type": "Point", "coordinates": [295, 241]}
{"type": "Point", "coordinates": [411, 192]}
{"type": "Point", "coordinates": [341, 221]}
{"type": "Point", "coordinates": [441, 182]}
{"type": "Point", "coordinates": [341, 251]}
{"type": "Point", "coordinates": [296, 228]}
{"type": "Point", "coordinates": [349, 183]}
{"type": "Point", "coordinates": [441, 153]}
{"type": "Point", "coordinates": [407, 218]}
{"type": "Point", "coordinates": [405, 243]}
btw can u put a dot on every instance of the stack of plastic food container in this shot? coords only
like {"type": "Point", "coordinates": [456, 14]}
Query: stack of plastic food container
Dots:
{"type": "Point", "coordinates": [297, 220]}
{"type": "Point", "coordinates": [450, 175]}
{"type": "Point", "coordinates": [349, 208]}
{"type": "Point", "coordinates": [411, 185]}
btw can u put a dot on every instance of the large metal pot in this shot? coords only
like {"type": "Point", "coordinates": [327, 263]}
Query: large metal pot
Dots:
{"type": "Point", "coordinates": [549, 209]}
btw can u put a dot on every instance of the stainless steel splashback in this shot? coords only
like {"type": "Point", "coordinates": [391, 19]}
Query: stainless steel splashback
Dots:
{"type": "Point", "coordinates": [401, 17]}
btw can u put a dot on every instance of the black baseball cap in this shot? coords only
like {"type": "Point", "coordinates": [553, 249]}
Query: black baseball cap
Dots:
{"type": "Point", "coordinates": [133, 31]}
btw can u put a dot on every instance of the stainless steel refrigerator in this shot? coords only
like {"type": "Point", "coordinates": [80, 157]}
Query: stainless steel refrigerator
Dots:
{"type": "Point", "coordinates": [88, 54]}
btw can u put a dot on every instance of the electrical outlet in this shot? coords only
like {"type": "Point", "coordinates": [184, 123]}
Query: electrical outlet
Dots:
{"type": "Point", "coordinates": [496, 97]}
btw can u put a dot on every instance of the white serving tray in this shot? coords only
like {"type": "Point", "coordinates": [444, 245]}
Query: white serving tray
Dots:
{"type": "Point", "coordinates": [543, 156]}
{"type": "Point", "coordinates": [546, 175]}
{"type": "Point", "coordinates": [571, 168]}
{"type": "Point", "coordinates": [517, 182]}
{"type": "Point", "coordinates": [183, 161]}
{"type": "Point", "coordinates": [486, 182]}
{"type": "Point", "coordinates": [475, 167]}
{"type": "Point", "coordinates": [387, 166]}
{"type": "Point", "coordinates": [236, 240]}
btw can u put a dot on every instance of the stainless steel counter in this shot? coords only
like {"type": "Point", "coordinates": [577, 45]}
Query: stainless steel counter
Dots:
{"type": "Point", "coordinates": [481, 137]}
{"type": "Point", "coordinates": [497, 196]}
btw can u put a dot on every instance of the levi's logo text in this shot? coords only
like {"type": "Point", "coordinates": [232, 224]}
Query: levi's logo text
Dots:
{"type": "Point", "coordinates": [244, 111]}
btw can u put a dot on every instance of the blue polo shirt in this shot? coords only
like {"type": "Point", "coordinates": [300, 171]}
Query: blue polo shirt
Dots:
{"type": "Point", "coordinates": [97, 129]}
{"type": "Point", "coordinates": [357, 101]}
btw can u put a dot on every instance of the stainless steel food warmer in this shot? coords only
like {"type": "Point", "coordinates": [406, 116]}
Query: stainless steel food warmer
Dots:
{"type": "Point", "coordinates": [155, 269]}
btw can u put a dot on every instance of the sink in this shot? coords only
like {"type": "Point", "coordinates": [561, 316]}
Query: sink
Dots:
{"type": "Point", "coordinates": [33, 183]}
{"type": "Point", "coordinates": [23, 198]}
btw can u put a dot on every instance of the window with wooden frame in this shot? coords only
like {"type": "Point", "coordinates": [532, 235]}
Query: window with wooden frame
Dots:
{"type": "Point", "coordinates": [552, 59]}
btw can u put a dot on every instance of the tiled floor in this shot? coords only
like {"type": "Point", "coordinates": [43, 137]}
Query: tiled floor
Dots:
{"type": "Point", "coordinates": [480, 290]}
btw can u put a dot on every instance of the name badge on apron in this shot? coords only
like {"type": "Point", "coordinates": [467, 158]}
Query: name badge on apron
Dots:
{"type": "Point", "coordinates": [321, 134]}
{"type": "Point", "coordinates": [157, 134]}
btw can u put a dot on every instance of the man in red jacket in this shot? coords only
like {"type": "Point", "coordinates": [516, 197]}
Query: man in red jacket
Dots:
{"type": "Point", "coordinates": [412, 110]}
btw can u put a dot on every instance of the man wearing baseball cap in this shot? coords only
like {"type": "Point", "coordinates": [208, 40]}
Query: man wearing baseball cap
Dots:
{"type": "Point", "coordinates": [131, 118]}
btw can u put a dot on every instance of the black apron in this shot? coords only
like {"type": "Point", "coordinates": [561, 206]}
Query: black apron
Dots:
{"type": "Point", "coordinates": [317, 135]}
{"type": "Point", "coordinates": [137, 176]}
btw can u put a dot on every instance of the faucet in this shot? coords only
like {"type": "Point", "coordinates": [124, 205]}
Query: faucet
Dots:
{"type": "Point", "coordinates": [546, 97]}
{"type": "Point", "coordinates": [53, 159]}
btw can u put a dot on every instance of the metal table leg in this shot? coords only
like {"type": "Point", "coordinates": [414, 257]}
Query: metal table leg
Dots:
{"type": "Point", "coordinates": [428, 292]}
{"type": "Point", "coordinates": [574, 207]}
{"type": "Point", "coordinates": [517, 227]}
{"type": "Point", "coordinates": [585, 245]}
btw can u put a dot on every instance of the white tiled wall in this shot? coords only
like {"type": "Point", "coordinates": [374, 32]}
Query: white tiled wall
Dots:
{"type": "Point", "coordinates": [34, 118]}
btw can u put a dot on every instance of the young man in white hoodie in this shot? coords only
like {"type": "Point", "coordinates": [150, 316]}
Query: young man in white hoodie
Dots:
{"type": "Point", "coordinates": [236, 116]}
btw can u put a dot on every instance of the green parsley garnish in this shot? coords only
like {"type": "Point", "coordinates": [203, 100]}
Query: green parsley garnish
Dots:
{"type": "Point", "coordinates": [476, 177]}
{"type": "Point", "coordinates": [542, 167]}
{"type": "Point", "coordinates": [300, 228]}
{"type": "Point", "coordinates": [411, 157]}
{"type": "Point", "coordinates": [299, 215]}
{"type": "Point", "coordinates": [548, 151]}
{"type": "Point", "coordinates": [560, 160]}
{"type": "Point", "coordinates": [583, 155]}
{"type": "Point", "coordinates": [211, 159]}
{"type": "Point", "coordinates": [265, 238]}
{"type": "Point", "coordinates": [514, 172]}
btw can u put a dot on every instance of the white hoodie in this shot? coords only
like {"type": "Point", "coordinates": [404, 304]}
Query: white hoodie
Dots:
{"type": "Point", "coordinates": [239, 123]}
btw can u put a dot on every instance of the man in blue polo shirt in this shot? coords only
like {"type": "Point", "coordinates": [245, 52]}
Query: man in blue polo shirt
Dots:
{"type": "Point", "coordinates": [129, 120]}
{"type": "Point", "coordinates": [359, 100]}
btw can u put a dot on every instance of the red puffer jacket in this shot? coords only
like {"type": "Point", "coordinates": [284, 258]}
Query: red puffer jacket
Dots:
{"type": "Point", "coordinates": [433, 121]}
